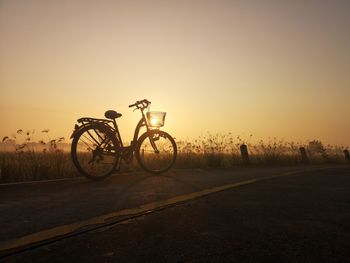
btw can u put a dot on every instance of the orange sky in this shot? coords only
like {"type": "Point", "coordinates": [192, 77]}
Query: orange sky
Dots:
{"type": "Point", "coordinates": [267, 68]}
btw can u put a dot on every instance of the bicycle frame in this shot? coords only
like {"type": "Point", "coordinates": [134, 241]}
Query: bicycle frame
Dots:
{"type": "Point", "coordinates": [125, 152]}
{"type": "Point", "coordinates": [142, 122]}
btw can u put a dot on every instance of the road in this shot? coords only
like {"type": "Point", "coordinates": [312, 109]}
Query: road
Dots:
{"type": "Point", "coordinates": [281, 214]}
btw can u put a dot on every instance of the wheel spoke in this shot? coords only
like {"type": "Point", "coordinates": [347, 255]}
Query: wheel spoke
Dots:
{"type": "Point", "coordinates": [88, 145]}
{"type": "Point", "coordinates": [92, 136]}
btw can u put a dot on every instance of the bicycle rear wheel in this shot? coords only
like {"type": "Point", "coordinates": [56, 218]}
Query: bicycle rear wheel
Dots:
{"type": "Point", "coordinates": [94, 152]}
{"type": "Point", "coordinates": [156, 151]}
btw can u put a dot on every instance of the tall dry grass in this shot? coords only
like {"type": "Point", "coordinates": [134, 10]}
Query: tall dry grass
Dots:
{"type": "Point", "coordinates": [25, 160]}
{"type": "Point", "coordinates": [223, 151]}
{"type": "Point", "coordinates": [29, 166]}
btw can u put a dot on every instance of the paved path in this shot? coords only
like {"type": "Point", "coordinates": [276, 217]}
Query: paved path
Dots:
{"type": "Point", "coordinates": [289, 209]}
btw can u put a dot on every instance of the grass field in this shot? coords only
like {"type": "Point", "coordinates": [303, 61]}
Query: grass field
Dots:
{"type": "Point", "coordinates": [39, 160]}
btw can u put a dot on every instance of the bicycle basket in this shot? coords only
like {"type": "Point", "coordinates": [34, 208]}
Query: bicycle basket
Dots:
{"type": "Point", "coordinates": [156, 118]}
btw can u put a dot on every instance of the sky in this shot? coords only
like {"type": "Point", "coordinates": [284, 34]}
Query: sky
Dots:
{"type": "Point", "coordinates": [268, 68]}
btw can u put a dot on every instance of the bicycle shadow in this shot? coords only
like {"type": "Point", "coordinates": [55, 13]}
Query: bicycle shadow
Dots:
{"type": "Point", "coordinates": [157, 192]}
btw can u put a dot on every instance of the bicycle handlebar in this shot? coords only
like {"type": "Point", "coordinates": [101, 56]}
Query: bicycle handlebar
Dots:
{"type": "Point", "coordinates": [140, 104]}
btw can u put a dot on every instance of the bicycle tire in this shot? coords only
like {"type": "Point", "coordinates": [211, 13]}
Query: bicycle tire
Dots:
{"type": "Point", "coordinates": [109, 151]}
{"type": "Point", "coordinates": [149, 160]}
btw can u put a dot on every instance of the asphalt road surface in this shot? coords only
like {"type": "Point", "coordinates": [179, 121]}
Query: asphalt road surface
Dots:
{"type": "Point", "coordinates": [288, 214]}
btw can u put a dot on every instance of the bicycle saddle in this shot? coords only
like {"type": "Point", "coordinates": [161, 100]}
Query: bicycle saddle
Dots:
{"type": "Point", "coordinates": [111, 114]}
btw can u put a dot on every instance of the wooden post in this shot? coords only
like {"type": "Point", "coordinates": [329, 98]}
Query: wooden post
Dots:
{"type": "Point", "coordinates": [244, 153]}
{"type": "Point", "coordinates": [304, 158]}
{"type": "Point", "coordinates": [347, 155]}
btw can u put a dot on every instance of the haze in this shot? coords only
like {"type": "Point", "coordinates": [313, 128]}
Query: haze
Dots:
{"type": "Point", "coordinates": [267, 68]}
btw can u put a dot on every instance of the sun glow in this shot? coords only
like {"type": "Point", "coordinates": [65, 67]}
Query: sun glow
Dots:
{"type": "Point", "coordinates": [154, 122]}
{"type": "Point", "coordinates": [246, 67]}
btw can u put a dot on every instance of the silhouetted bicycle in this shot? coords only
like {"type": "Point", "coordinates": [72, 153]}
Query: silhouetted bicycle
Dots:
{"type": "Point", "coordinates": [97, 147]}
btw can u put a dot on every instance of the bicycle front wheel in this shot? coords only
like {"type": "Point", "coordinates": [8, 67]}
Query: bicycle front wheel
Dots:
{"type": "Point", "coordinates": [156, 151]}
{"type": "Point", "coordinates": [94, 152]}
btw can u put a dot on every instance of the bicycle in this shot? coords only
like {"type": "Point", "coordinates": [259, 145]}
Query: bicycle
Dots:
{"type": "Point", "coordinates": [97, 147]}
